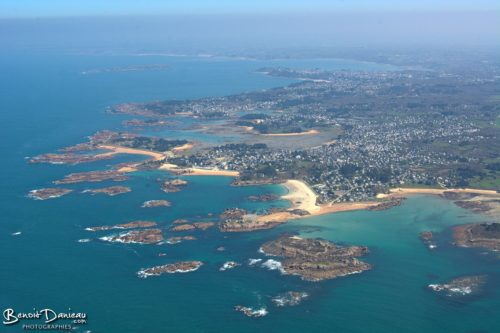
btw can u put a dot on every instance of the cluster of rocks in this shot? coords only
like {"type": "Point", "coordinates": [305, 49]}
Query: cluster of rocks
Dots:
{"type": "Point", "coordinates": [251, 312]}
{"type": "Point", "coordinates": [239, 220]}
{"type": "Point", "coordinates": [69, 158]}
{"type": "Point", "coordinates": [263, 197]}
{"type": "Point", "coordinates": [145, 236]}
{"type": "Point", "coordinates": [316, 259]}
{"type": "Point", "coordinates": [170, 186]}
{"type": "Point", "coordinates": [178, 267]}
{"type": "Point", "coordinates": [465, 285]}
{"type": "Point", "coordinates": [147, 123]}
{"type": "Point", "coordinates": [232, 214]}
{"type": "Point", "coordinates": [48, 193]}
{"type": "Point", "coordinates": [290, 298]}
{"type": "Point", "coordinates": [179, 239]}
{"type": "Point", "coordinates": [387, 204]}
{"type": "Point", "coordinates": [156, 203]}
{"type": "Point", "coordinates": [472, 201]}
{"type": "Point", "coordinates": [111, 190]}
{"type": "Point", "coordinates": [427, 238]}
{"type": "Point", "coordinates": [486, 235]}
{"type": "Point", "coordinates": [129, 225]}
{"type": "Point", "coordinates": [228, 265]}
{"type": "Point", "coordinates": [92, 176]}
{"type": "Point", "coordinates": [193, 226]}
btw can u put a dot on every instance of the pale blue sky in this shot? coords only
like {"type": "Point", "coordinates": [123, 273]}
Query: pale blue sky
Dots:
{"type": "Point", "coordinates": [37, 8]}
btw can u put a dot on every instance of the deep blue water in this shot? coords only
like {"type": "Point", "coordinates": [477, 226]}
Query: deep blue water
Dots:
{"type": "Point", "coordinates": [46, 104]}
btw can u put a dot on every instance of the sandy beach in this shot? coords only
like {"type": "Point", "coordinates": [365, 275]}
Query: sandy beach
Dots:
{"type": "Point", "coordinates": [156, 156]}
{"type": "Point", "coordinates": [301, 196]}
{"type": "Point", "coordinates": [198, 171]}
{"type": "Point", "coordinates": [123, 150]}
{"type": "Point", "coordinates": [434, 191]}
{"type": "Point", "coordinates": [247, 128]}
{"type": "Point", "coordinates": [310, 132]}
{"type": "Point", "coordinates": [128, 168]}
{"type": "Point", "coordinates": [183, 148]}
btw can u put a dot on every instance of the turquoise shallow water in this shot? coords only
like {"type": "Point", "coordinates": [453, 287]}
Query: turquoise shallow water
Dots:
{"type": "Point", "coordinates": [46, 104]}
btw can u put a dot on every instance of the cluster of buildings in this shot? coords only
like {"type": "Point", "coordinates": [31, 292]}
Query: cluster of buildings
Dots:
{"type": "Point", "coordinates": [398, 128]}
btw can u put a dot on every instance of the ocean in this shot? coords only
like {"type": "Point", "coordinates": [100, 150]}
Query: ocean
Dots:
{"type": "Point", "coordinates": [46, 104]}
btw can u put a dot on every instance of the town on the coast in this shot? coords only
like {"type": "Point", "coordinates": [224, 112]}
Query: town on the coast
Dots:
{"type": "Point", "coordinates": [338, 140]}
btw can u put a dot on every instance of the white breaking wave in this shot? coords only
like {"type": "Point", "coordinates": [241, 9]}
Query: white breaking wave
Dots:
{"type": "Point", "coordinates": [272, 265]}
{"type": "Point", "coordinates": [252, 262]}
{"type": "Point", "coordinates": [84, 240]}
{"type": "Point", "coordinates": [466, 290]}
{"type": "Point", "coordinates": [228, 265]}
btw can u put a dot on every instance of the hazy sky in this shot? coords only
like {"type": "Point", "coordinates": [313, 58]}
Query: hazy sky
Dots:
{"type": "Point", "coordinates": [37, 8]}
{"type": "Point", "coordinates": [206, 25]}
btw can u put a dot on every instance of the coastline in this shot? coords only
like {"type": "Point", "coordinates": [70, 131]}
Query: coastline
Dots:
{"type": "Point", "coordinates": [302, 197]}
{"type": "Point", "coordinates": [478, 200]}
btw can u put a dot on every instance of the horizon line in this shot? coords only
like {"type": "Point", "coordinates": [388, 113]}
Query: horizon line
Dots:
{"type": "Point", "coordinates": [291, 12]}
